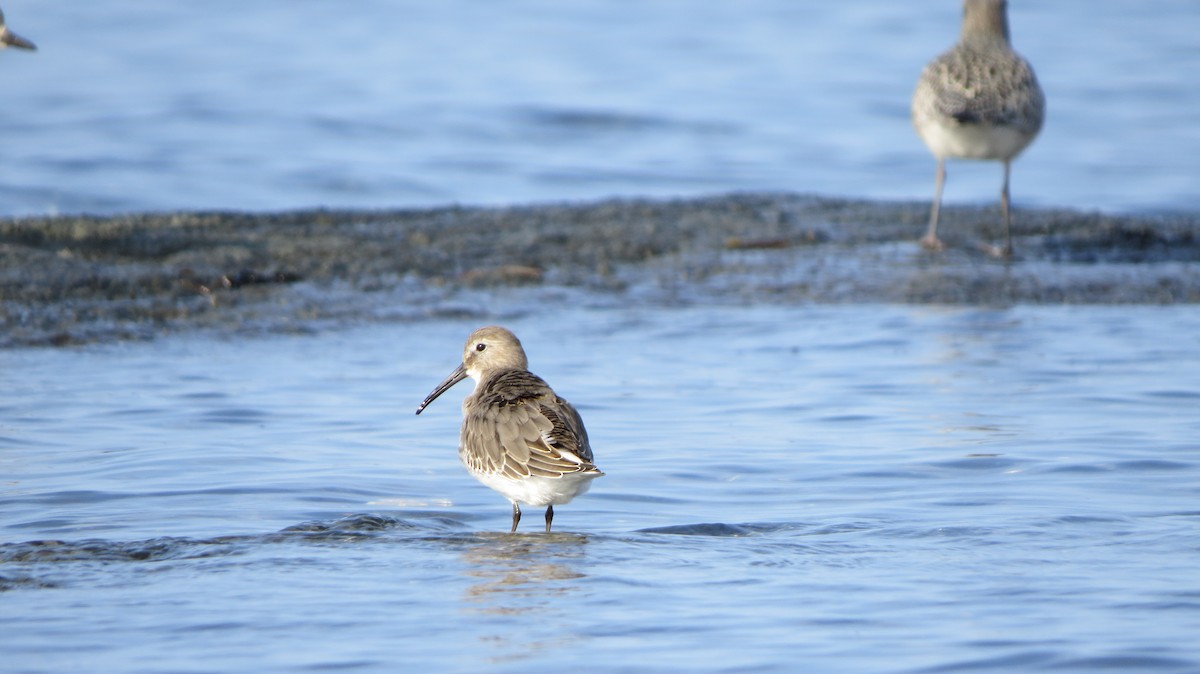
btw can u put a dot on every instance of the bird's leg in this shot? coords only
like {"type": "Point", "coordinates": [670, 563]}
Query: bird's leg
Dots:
{"type": "Point", "coordinates": [1002, 252]}
{"type": "Point", "coordinates": [931, 240]}
{"type": "Point", "coordinates": [1007, 250]}
{"type": "Point", "coordinates": [549, 516]}
{"type": "Point", "coordinates": [516, 516]}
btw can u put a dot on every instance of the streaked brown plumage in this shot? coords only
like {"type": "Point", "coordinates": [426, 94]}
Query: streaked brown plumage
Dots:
{"type": "Point", "coordinates": [518, 436]}
{"type": "Point", "coordinates": [979, 100]}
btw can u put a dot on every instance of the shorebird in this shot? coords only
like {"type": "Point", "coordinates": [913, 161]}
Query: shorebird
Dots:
{"type": "Point", "coordinates": [980, 100]}
{"type": "Point", "coordinates": [518, 436]}
{"type": "Point", "coordinates": [11, 39]}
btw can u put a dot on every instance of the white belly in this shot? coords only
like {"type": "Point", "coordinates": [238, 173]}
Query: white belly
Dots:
{"type": "Point", "coordinates": [540, 491]}
{"type": "Point", "coordinates": [973, 141]}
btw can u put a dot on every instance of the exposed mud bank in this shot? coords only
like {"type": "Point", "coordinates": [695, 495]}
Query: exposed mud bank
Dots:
{"type": "Point", "coordinates": [72, 279]}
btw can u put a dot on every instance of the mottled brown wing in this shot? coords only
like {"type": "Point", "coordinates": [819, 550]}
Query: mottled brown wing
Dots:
{"type": "Point", "coordinates": [974, 88]}
{"type": "Point", "coordinates": [516, 426]}
{"type": "Point", "coordinates": [568, 432]}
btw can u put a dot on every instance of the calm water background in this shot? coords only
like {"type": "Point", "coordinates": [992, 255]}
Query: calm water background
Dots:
{"type": "Point", "coordinates": [858, 488]}
{"type": "Point", "coordinates": [278, 104]}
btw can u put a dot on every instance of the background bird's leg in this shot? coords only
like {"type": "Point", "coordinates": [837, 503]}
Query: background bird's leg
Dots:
{"type": "Point", "coordinates": [930, 240]}
{"type": "Point", "coordinates": [1004, 211]}
{"type": "Point", "coordinates": [549, 516]}
{"type": "Point", "coordinates": [516, 516]}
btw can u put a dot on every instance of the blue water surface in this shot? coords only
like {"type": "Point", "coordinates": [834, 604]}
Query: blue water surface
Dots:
{"type": "Point", "coordinates": [824, 488]}
{"type": "Point", "coordinates": [819, 488]}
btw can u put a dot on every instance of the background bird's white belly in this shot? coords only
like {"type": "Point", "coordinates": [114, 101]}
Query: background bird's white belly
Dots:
{"type": "Point", "coordinates": [973, 141]}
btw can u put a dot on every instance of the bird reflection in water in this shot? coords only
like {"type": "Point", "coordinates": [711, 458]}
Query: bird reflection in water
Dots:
{"type": "Point", "coordinates": [524, 576]}
{"type": "Point", "coordinates": [519, 574]}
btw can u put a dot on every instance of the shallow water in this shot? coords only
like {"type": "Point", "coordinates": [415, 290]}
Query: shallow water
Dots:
{"type": "Point", "coordinates": [857, 488]}
{"type": "Point", "coordinates": [280, 104]}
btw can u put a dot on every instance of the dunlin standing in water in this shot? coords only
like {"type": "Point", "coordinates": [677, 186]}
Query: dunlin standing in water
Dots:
{"type": "Point", "coordinates": [11, 39]}
{"type": "Point", "coordinates": [518, 436]}
{"type": "Point", "coordinates": [980, 100]}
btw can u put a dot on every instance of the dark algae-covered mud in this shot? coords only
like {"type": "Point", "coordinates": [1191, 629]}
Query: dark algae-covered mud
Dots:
{"type": "Point", "coordinates": [73, 279]}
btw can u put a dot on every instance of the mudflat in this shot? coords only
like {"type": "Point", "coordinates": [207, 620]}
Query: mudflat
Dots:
{"type": "Point", "coordinates": [73, 279]}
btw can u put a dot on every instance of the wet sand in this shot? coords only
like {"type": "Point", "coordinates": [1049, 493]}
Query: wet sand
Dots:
{"type": "Point", "coordinates": [76, 279]}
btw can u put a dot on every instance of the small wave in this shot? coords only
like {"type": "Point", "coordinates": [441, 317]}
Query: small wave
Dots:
{"type": "Point", "coordinates": [31, 555]}
{"type": "Point", "coordinates": [1044, 660]}
{"type": "Point", "coordinates": [15, 582]}
{"type": "Point", "coordinates": [703, 529]}
{"type": "Point", "coordinates": [234, 415]}
{"type": "Point", "coordinates": [983, 462]}
{"type": "Point", "coordinates": [97, 550]}
{"type": "Point", "coordinates": [1153, 465]}
{"type": "Point", "coordinates": [353, 526]}
{"type": "Point", "coordinates": [722, 529]}
{"type": "Point", "coordinates": [1126, 663]}
{"type": "Point", "coordinates": [1013, 662]}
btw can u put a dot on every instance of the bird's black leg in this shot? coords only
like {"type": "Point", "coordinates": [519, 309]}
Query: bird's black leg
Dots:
{"type": "Point", "coordinates": [549, 517]}
{"type": "Point", "coordinates": [516, 516]}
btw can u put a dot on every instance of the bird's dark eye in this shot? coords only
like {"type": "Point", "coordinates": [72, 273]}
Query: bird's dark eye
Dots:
{"type": "Point", "coordinates": [480, 346]}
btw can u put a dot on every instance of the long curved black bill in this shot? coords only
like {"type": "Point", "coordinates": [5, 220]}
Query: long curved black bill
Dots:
{"type": "Point", "coordinates": [13, 40]}
{"type": "Point", "coordinates": [459, 374]}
